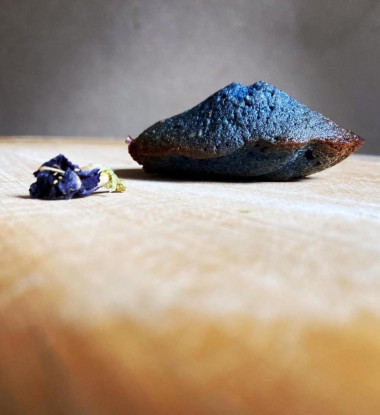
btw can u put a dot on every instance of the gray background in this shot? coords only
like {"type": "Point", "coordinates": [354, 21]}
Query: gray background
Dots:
{"type": "Point", "coordinates": [111, 67]}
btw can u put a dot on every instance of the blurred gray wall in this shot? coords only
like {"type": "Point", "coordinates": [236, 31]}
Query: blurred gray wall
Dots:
{"type": "Point", "coordinates": [112, 67]}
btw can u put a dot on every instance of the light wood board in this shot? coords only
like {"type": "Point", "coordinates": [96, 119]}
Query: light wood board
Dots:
{"type": "Point", "coordinates": [188, 297]}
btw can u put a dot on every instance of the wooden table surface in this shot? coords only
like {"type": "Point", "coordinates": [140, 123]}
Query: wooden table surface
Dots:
{"type": "Point", "coordinates": [188, 297]}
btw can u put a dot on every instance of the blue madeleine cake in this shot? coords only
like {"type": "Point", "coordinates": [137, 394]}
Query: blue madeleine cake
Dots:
{"type": "Point", "coordinates": [255, 131]}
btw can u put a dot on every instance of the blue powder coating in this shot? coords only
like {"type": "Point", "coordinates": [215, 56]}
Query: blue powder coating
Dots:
{"type": "Point", "coordinates": [237, 115]}
{"type": "Point", "coordinates": [73, 182]}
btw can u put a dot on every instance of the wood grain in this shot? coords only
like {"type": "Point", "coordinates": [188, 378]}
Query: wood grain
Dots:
{"type": "Point", "coordinates": [185, 296]}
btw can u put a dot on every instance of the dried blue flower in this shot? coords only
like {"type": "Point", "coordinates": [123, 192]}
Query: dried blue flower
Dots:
{"type": "Point", "coordinates": [58, 178]}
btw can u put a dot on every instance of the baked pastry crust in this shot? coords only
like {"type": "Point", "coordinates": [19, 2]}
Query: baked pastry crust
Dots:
{"type": "Point", "coordinates": [255, 131]}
